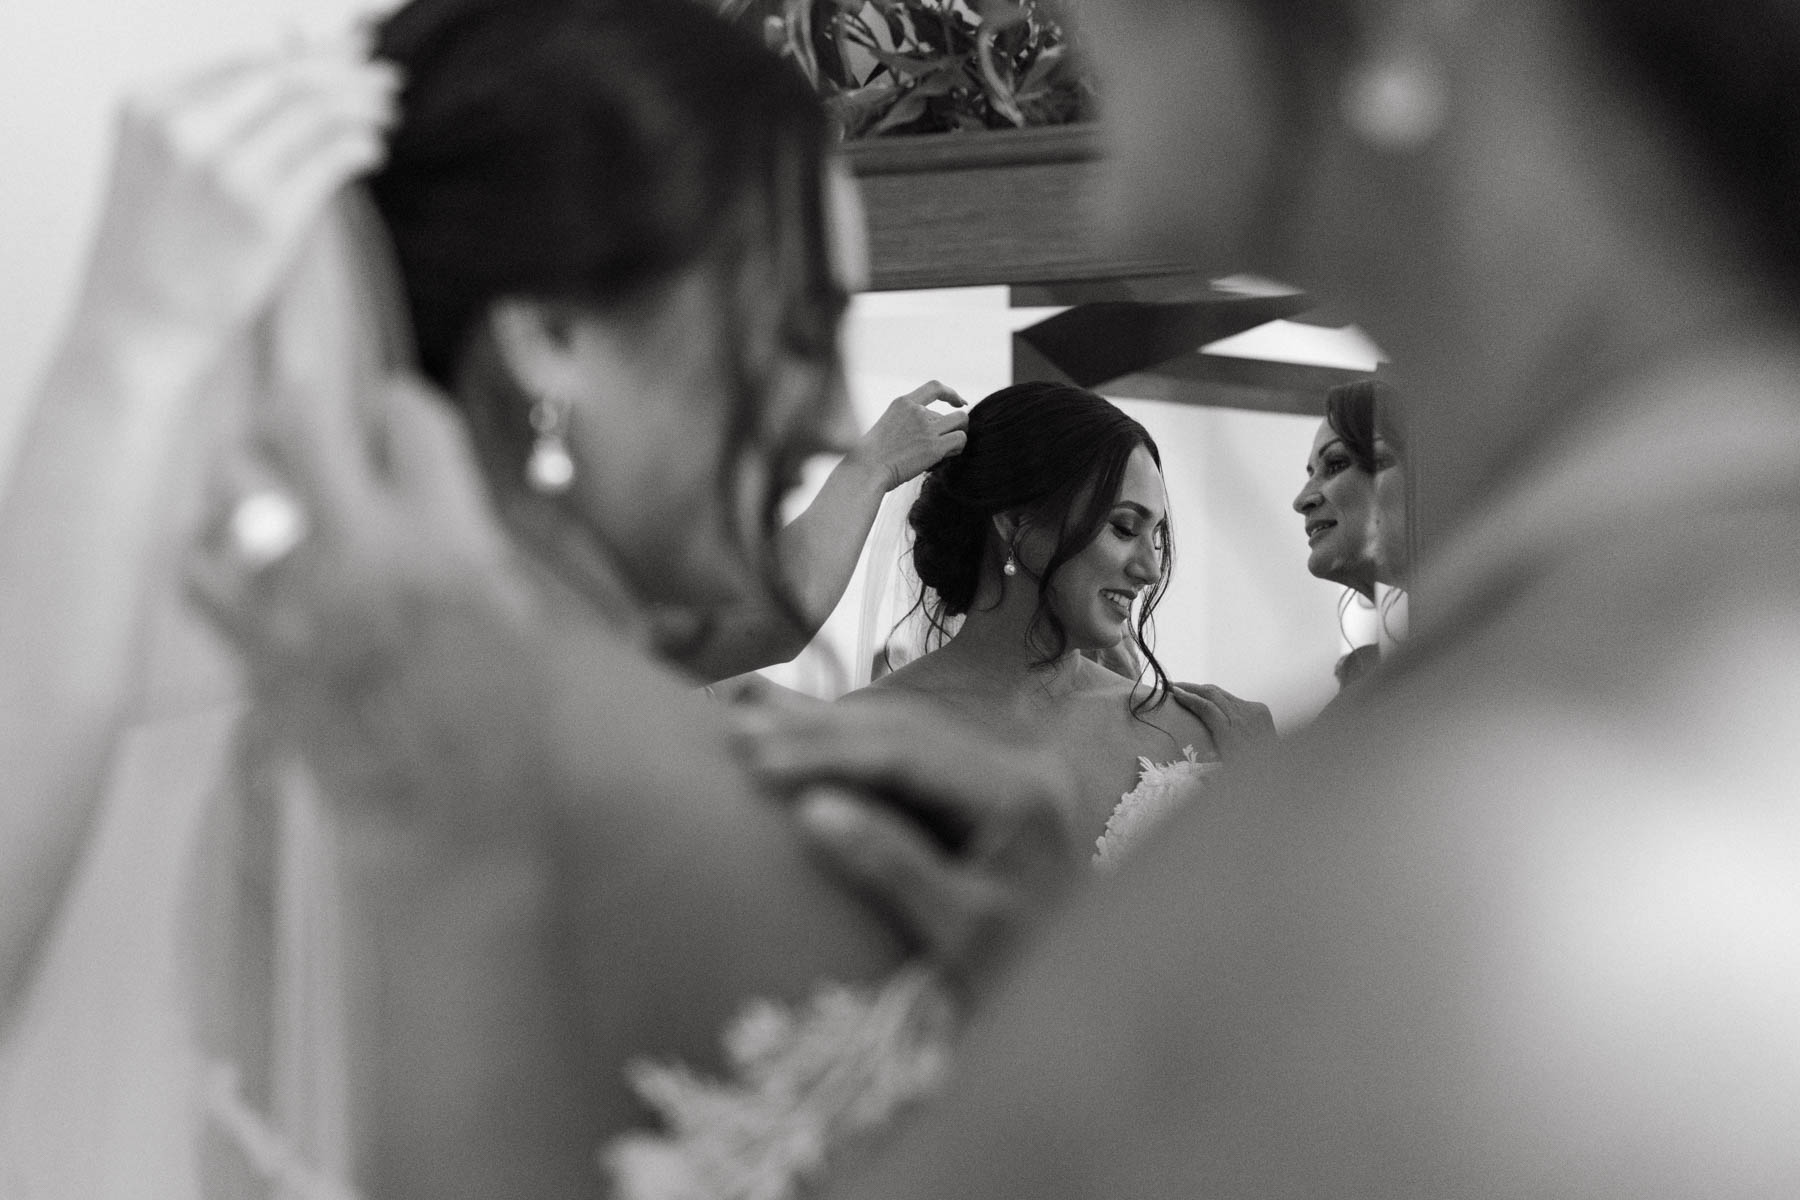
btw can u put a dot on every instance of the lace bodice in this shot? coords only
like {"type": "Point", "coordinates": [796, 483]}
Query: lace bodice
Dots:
{"type": "Point", "coordinates": [806, 1084]}
{"type": "Point", "coordinates": [1162, 789]}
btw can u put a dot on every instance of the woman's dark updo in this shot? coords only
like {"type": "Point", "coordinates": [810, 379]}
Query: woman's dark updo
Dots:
{"type": "Point", "coordinates": [587, 150]}
{"type": "Point", "coordinates": [1056, 455]}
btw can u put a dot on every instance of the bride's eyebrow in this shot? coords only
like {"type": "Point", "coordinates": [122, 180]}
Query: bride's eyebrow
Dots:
{"type": "Point", "coordinates": [1135, 507]}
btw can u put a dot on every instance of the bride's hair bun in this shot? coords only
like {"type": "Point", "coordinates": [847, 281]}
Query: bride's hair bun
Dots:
{"type": "Point", "coordinates": [949, 535]}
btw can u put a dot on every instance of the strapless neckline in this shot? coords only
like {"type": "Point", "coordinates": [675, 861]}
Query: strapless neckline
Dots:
{"type": "Point", "coordinates": [1162, 789]}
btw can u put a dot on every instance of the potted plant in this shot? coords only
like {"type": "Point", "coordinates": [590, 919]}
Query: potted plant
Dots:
{"type": "Point", "coordinates": [887, 67]}
{"type": "Point", "coordinates": [968, 124]}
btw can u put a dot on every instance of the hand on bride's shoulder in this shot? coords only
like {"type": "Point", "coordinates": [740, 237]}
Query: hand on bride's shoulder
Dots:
{"type": "Point", "coordinates": [958, 841]}
{"type": "Point", "coordinates": [1235, 725]}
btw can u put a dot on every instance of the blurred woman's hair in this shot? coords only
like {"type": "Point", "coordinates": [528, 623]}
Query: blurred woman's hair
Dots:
{"type": "Point", "coordinates": [584, 152]}
{"type": "Point", "coordinates": [1055, 455]}
{"type": "Point", "coordinates": [1360, 412]}
{"type": "Point", "coordinates": [1726, 79]}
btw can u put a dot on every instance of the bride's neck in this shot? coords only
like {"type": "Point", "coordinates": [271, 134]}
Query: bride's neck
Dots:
{"type": "Point", "coordinates": [994, 645]}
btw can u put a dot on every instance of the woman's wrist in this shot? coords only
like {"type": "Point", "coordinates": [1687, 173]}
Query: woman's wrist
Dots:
{"type": "Point", "coordinates": [125, 358]}
{"type": "Point", "coordinates": [867, 473]}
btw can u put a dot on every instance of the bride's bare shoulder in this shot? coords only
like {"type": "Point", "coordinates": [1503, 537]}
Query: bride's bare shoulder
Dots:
{"type": "Point", "coordinates": [922, 675]}
{"type": "Point", "coordinates": [1160, 732]}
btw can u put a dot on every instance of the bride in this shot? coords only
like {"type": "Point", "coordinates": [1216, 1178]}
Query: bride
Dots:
{"type": "Point", "coordinates": [1049, 536]}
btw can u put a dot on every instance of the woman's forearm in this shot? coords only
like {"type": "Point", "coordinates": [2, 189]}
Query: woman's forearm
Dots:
{"type": "Point", "coordinates": [81, 541]}
{"type": "Point", "coordinates": [817, 554]}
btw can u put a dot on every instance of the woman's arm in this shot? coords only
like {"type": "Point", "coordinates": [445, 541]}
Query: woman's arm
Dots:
{"type": "Point", "coordinates": [208, 200]}
{"type": "Point", "coordinates": [559, 865]}
{"type": "Point", "coordinates": [818, 550]}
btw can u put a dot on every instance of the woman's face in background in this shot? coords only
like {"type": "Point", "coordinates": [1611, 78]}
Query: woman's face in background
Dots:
{"type": "Point", "coordinates": [1339, 508]}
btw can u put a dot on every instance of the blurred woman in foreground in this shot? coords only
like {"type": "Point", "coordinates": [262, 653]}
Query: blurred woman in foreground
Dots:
{"type": "Point", "coordinates": [1521, 921]}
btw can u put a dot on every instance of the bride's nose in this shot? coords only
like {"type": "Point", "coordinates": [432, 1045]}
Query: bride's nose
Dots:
{"type": "Point", "coordinates": [1146, 564]}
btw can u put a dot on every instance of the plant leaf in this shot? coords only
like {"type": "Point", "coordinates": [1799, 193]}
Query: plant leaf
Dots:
{"type": "Point", "coordinates": [1001, 14]}
{"type": "Point", "coordinates": [912, 65]}
{"type": "Point", "coordinates": [910, 108]}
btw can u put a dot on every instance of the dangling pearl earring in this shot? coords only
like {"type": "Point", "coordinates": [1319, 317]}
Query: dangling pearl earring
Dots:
{"type": "Point", "coordinates": [1010, 567]}
{"type": "Point", "coordinates": [1398, 103]}
{"type": "Point", "coordinates": [550, 469]}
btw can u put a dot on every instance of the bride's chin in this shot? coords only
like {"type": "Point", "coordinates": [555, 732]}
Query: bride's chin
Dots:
{"type": "Point", "coordinates": [1099, 640]}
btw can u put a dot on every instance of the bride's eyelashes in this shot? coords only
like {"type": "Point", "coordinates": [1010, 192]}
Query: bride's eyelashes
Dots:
{"type": "Point", "coordinates": [1126, 531]}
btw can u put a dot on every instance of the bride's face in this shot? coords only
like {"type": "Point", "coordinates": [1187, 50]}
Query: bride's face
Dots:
{"type": "Point", "coordinates": [1096, 591]}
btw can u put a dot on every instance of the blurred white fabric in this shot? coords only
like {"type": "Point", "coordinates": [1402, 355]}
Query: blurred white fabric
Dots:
{"type": "Point", "coordinates": [116, 1078]}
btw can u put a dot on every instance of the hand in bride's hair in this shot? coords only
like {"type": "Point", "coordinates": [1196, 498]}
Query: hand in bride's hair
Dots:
{"type": "Point", "coordinates": [961, 843]}
{"type": "Point", "coordinates": [909, 438]}
{"type": "Point", "coordinates": [1236, 724]}
{"type": "Point", "coordinates": [216, 180]}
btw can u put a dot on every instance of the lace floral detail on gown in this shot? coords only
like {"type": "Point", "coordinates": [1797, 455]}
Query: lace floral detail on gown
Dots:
{"type": "Point", "coordinates": [1162, 789]}
{"type": "Point", "coordinates": [806, 1085]}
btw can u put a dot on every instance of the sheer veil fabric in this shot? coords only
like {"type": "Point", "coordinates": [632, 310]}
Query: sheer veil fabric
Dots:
{"type": "Point", "coordinates": [889, 620]}
{"type": "Point", "coordinates": [127, 1072]}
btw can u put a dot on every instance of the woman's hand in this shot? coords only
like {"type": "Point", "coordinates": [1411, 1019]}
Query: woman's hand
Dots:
{"type": "Point", "coordinates": [961, 843]}
{"type": "Point", "coordinates": [390, 630]}
{"type": "Point", "coordinates": [910, 438]}
{"type": "Point", "coordinates": [1236, 725]}
{"type": "Point", "coordinates": [217, 179]}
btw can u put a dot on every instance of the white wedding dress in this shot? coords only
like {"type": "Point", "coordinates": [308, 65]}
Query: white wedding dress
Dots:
{"type": "Point", "coordinates": [808, 1086]}
{"type": "Point", "coordinates": [1162, 790]}
{"type": "Point", "coordinates": [108, 1084]}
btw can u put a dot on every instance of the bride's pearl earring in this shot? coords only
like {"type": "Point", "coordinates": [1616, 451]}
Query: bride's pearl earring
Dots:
{"type": "Point", "coordinates": [550, 469]}
{"type": "Point", "coordinates": [1010, 567]}
{"type": "Point", "coordinates": [1398, 102]}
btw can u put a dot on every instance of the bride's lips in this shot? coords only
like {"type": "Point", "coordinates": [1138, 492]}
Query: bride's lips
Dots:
{"type": "Point", "coordinates": [1317, 529]}
{"type": "Point", "coordinates": [1119, 599]}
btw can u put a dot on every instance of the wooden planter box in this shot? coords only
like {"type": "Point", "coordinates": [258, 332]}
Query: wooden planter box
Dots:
{"type": "Point", "coordinates": [1015, 207]}
{"type": "Point", "coordinates": [997, 207]}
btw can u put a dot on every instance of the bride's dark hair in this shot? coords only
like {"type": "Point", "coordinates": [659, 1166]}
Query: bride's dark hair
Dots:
{"type": "Point", "coordinates": [586, 152]}
{"type": "Point", "coordinates": [1055, 454]}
